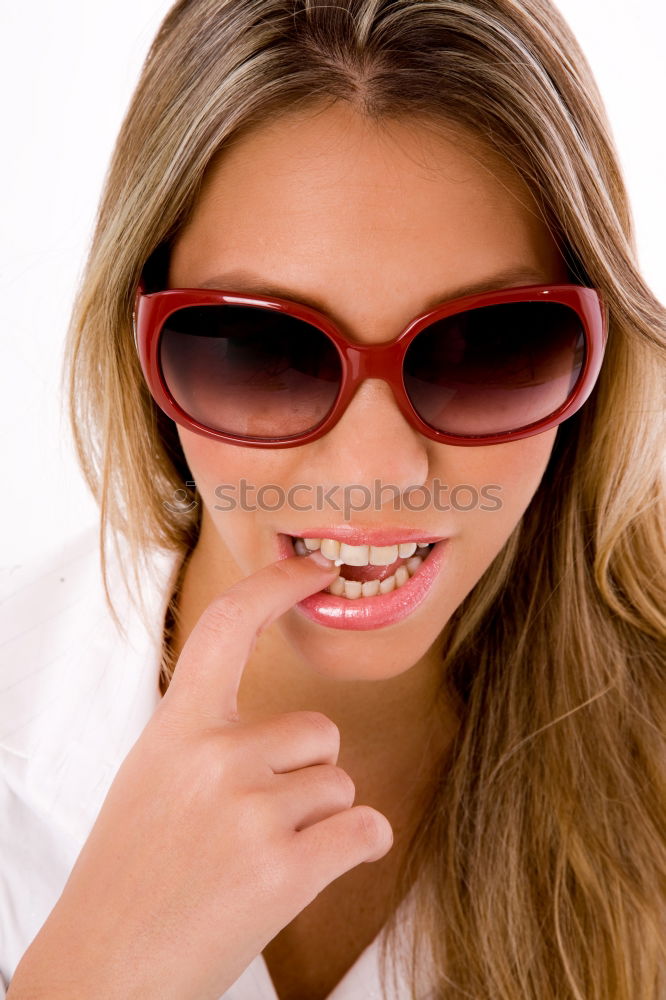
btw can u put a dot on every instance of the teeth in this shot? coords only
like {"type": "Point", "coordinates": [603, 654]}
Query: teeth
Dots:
{"type": "Point", "coordinates": [354, 589]}
{"type": "Point", "coordinates": [330, 548]}
{"type": "Point", "coordinates": [383, 555]}
{"type": "Point", "coordinates": [358, 555]}
{"type": "Point", "coordinates": [407, 549]}
{"type": "Point", "coordinates": [354, 555]}
{"type": "Point", "coordinates": [364, 555]}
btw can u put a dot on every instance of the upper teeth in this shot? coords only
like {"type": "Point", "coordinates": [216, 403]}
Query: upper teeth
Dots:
{"type": "Point", "coordinates": [358, 555]}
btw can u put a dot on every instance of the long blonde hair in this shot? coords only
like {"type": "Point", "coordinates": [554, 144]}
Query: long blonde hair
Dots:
{"type": "Point", "coordinates": [540, 858]}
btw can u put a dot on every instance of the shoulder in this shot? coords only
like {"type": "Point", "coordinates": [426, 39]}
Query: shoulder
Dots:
{"type": "Point", "coordinates": [36, 591]}
{"type": "Point", "coordinates": [45, 605]}
{"type": "Point", "coordinates": [61, 653]}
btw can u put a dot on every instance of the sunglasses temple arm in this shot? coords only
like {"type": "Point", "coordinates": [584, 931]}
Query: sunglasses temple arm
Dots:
{"type": "Point", "coordinates": [139, 292]}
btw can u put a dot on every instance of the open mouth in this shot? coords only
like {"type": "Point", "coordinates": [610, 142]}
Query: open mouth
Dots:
{"type": "Point", "coordinates": [359, 581]}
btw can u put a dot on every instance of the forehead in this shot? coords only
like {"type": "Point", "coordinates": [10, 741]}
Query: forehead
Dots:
{"type": "Point", "coordinates": [330, 194]}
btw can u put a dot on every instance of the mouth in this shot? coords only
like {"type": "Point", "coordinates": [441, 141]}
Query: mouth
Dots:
{"type": "Point", "coordinates": [370, 570]}
{"type": "Point", "coordinates": [375, 589]}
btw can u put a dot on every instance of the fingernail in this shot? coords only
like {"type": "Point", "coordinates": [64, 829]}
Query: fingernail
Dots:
{"type": "Point", "coordinates": [321, 560]}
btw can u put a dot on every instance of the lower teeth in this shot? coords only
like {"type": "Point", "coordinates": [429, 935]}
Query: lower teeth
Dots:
{"type": "Point", "coordinates": [355, 589]}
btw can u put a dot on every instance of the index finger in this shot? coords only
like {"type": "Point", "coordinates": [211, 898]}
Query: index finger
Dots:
{"type": "Point", "coordinates": [211, 664]}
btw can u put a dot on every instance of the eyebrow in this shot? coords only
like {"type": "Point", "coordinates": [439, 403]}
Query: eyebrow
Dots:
{"type": "Point", "coordinates": [246, 283]}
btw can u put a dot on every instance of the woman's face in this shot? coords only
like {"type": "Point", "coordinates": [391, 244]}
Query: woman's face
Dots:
{"type": "Point", "coordinates": [375, 224]}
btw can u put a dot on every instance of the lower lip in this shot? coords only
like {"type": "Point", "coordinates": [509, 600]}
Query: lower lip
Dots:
{"type": "Point", "coordinates": [364, 613]}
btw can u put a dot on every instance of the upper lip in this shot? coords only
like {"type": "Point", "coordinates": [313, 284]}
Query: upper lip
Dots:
{"type": "Point", "coordinates": [369, 536]}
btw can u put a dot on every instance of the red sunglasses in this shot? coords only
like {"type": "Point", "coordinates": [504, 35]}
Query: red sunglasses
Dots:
{"type": "Point", "coordinates": [270, 373]}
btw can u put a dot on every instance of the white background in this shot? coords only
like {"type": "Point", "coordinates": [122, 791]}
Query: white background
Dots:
{"type": "Point", "coordinates": [67, 72]}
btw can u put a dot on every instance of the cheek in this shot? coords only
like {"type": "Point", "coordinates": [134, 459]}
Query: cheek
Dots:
{"type": "Point", "coordinates": [514, 470]}
{"type": "Point", "coordinates": [519, 467]}
{"type": "Point", "coordinates": [211, 462]}
{"type": "Point", "coordinates": [214, 463]}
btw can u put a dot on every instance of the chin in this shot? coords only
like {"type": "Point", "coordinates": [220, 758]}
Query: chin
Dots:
{"type": "Point", "coordinates": [356, 656]}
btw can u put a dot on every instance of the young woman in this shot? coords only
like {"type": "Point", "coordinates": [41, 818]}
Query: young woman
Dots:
{"type": "Point", "coordinates": [363, 289]}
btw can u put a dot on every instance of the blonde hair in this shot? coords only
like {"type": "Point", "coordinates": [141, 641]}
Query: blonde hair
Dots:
{"type": "Point", "coordinates": [540, 858]}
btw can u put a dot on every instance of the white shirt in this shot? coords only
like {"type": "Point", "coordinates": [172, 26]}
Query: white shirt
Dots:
{"type": "Point", "coordinates": [74, 698]}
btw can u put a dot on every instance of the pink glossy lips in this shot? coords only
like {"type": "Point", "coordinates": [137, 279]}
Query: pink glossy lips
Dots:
{"type": "Point", "coordinates": [370, 612]}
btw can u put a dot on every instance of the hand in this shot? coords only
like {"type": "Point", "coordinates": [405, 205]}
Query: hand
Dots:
{"type": "Point", "coordinates": [214, 834]}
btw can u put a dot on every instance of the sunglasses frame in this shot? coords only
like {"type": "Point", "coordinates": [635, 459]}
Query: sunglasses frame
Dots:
{"type": "Point", "coordinates": [362, 361]}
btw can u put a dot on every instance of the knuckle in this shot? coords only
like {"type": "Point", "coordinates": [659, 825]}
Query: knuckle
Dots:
{"type": "Point", "coordinates": [233, 750]}
{"type": "Point", "coordinates": [370, 828]}
{"type": "Point", "coordinates": [209, 763]}
{"type": "Point", "coordinates": [225, 613]}
{"type": "Point", "coordinates": [196, 782]}
{"type": "Point", "coordinates": [323, 724]}
{"type": "Point", "coordinates": [283, 573]}
{"type": "Point", "coordinates": [206, 754]}
{"type": "Point", "coordinates": [343, 783]}
{"type": "Point", "coordinates": [217, 759]}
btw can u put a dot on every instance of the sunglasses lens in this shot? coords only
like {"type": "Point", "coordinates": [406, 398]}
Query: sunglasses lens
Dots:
{"type": "Point", "coordinates": [249, 371]}
{"type": "Point", "coordinates": [496, 368]}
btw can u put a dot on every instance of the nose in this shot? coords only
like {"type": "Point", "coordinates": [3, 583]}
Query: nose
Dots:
{"type": "Point", "coordinates": [371, 441]}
